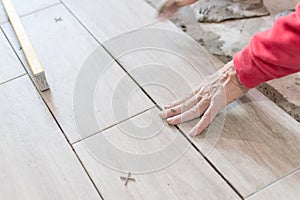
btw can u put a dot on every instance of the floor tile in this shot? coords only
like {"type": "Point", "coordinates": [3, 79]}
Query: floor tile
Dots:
{"type": "Point", "coordinates": [286, 188]}
{"type": "Point", "coordinates": [252, 144]}
{"type": "Point", "coordinates": [106, 19]}
{"type": "Point", "coordinates": [71, 57]}
{"type": "Point", "coordinates": [36, 160]}
{"type": "Point", "coordinates": [162, 161]}
{"type": "Point", "coordinates": [10, 67]}
{"type": "Point", "coordinates": [173, 68]}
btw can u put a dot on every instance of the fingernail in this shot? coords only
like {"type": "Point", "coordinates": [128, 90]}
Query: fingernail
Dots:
{"type": "Point", "coordinates": [162, 114]}
{"type": "Point", "coordinates": [192, 132]}
{"type": "Point", "coordinates": [167, 106]}
{"type": "Point", "coordinates": [171, 120]}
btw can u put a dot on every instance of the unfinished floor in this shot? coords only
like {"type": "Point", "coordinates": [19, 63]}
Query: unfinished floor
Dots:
{"type": "Point", "coordinates": [115, 61]}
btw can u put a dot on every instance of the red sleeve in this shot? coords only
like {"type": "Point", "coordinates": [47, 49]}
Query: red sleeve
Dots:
{"type": "Point", "coordinates": [271, 54]}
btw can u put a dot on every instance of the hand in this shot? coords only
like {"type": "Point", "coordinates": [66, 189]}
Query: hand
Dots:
{"type": "Point", "coordinates": [170, 7]}
{"type": "Point", "coordinates": [213, 94]}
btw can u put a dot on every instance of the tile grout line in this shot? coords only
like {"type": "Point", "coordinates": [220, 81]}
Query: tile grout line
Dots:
{"type": "Point", "coordinates": [32, 12]}
{"type": "Point", "coordinates": [14, 50]}
{"type": "Point", "coordinates": [113, 125]}
{"type": "Point", "coordinates": [274, 182]}
{"type": "Point", "coordinates": [127, 32]}
{"type": "Point", "coordinates": [108, 52]}
{"type": "Point", "coordinates": [210, 163]}
{"type": "Point", "coordinates": [207, 160]}
{"type": "Point", "coordinates": [53, 117]}
{"type": "Point", "coordinates": [86, 171]}
{"type": "Point", "coordinates": [12, 79]}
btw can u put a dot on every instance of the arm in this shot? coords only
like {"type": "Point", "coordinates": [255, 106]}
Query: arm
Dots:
{"type": "Point", "coordinates": [271, 54]}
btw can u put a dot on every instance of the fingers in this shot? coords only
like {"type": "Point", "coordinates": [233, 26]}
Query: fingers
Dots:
{"type": "Point", "coordinates": [181, 108]}
{"type": "Point", "coordinates": [218, 90]}
{"type": "Point", "coordinates": [190, 114]}
{"type": "Point", "coordinates": [214, 108]}
{"type": "Point", "coordinates": [184, 99]}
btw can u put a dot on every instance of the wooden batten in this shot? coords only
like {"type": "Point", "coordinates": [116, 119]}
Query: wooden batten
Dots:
{"type": "Point", "coordinates": [31, 56]}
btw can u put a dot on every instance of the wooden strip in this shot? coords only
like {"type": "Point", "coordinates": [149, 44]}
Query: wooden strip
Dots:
{"type": "Point", "coordinates": [258, 143]}
{"type": "Point", "coordinates": [31, 57]}
{"type": "Point", "coordinates": [36, 160]}
{"type": "Point", "coordinates": [10, 67]}
{"type": "Point", "coordinates": [69, 46]}
{"type": "Point", "coordinates": [189, 176]}
{"type": "Point", "coordinates": [286, 188]}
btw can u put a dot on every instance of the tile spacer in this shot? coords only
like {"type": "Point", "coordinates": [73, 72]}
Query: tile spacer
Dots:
{"type": "Point", "coordinates": [127, 178]}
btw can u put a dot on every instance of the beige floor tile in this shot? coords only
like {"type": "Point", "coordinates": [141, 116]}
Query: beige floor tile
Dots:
{"type": "Point", "coordinates": [106, 19]}
{"type": "Point", "coordinates": [169, 167]}
{"type": "Point", "coordinates": [10, 67]}
{"type": "Point", "coordinates": [36, 159]}
{"type": "Point", "coordinates": [164, 60]}
{"type": "Point", "coordinates": [286, 188]}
